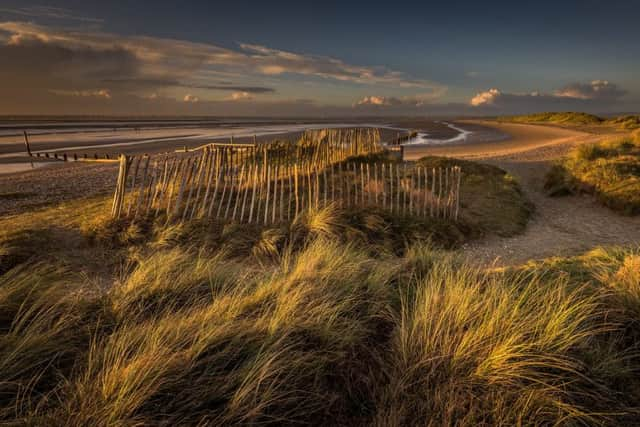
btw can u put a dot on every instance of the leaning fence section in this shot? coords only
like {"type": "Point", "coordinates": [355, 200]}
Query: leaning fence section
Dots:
{"type": "Point", "coordinates": [273, 183]}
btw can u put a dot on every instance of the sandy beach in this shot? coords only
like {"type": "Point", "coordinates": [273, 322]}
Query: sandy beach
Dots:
{"type": "Point", "coordinates": [520, 138]}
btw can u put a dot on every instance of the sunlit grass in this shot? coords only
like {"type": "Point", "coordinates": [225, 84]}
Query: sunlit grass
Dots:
{"type": "Point", "coordinates": [323, 332]}
{"type": "Point", "coordinates": [610, 170]}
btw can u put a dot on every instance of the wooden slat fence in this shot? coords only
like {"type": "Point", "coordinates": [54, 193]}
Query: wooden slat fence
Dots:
{"type": "Point", "coordinates": [273, 183]}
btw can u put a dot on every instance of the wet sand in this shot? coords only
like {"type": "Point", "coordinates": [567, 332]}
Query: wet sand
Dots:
{"type": "Point", "coordinates": [520, 137]}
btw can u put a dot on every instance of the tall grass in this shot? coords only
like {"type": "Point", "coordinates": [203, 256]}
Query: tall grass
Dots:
{"type": "Point", "coordinates": [315, 330]}
{"type": "Point", "coordinates": [609, 169]}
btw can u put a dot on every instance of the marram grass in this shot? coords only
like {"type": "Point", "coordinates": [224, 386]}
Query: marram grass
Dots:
{"type": "Point", "coordinates": [322, 332]}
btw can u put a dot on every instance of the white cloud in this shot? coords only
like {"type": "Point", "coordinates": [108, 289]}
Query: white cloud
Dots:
{"type": "Point", "coordinates": [374, 100]}
{"type": "Point", "coordinates": [238, 96]}
{"type": "Point", "coordinates": [191, 98]}
{"type": "Point", "coordinates": [417, 100]}
{"type": "Point", "coordinates": [486, 98]}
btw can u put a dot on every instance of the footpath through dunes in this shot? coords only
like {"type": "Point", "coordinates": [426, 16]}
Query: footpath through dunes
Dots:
{"type": "Point", "coordinates": [560, 226]}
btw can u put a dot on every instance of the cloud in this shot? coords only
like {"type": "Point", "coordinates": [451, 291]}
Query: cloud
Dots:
{"type": "Point", "coordinates": [48, 12]}
{"type": "Point", "coordinates": [597, 89]}
{"type": "Point", "coordinates": [154, 62]}
{"type": "Point", "coordinates": [100, 93]}
{"type": "Point", "coordinates": [239, 96]}
{"type": "Point", "coordinates": [374, 100]}
{"type": "Point", "coordinates": [596, 96]}
{"type": "Point", "coordinates": [378, 101]}
{"type": "Point", "coordinates": [190, 98]}
{"type": "Point", "coordinates": [159, 83]}
{"type": "Point", "coordinates": [486, 98]}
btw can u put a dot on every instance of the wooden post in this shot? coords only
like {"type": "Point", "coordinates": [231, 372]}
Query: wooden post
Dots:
{"type": "Point", "coordinates": [254, 184]}
{"type": "Point", "coordinates": [362, 184]}
{"type": "Point", "coordinates": [280, 176]}
{"type": "Point", "coordinates": [247, 184]}
{"type": "Point", "coordinates": [459, 173]}
{"type": "Point", "coordinates": [232, 174]}
{"type": "Point", "coordinates": [238, 193]}
{"type": "Point", "coordinates": [204, 159]}
{"type": "Point", "coordinates": [224, 174]}
{"type": "Point", "coordinates": [218, 174]}
{"type": "Point", "coordinates": [133, 182]}
{"type": "Point", "coordinates": [290, 177]}
{"type": "Point", "coordinates": [398, 188]}
{"type": "Point", "coordinates": [275, 193]}
{"type": "Point", "coordinates": [439, 192]}
{"type": "Point", "coordinates": [197, 164]}
{"type": "Point", "coordinates": [403, 187]}
{"type": "Point", "coordinates": [186, 175]}
{"type": "Point", "coordinates": [384, 185]}
{"type": "Point", "coordinates": [410, 189]}
{"type": "Point", "coordinates": [143, 183]}
{"type": "Point", "coordinates": [117, 197]}
{"type": "Point", "coordinates": [266, 203]}
{"type": "Point", "coordinates": [26, 143]}
{"type": "Point", "coordinates": [391, 187]}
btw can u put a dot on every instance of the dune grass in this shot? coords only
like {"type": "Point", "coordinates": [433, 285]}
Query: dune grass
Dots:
{"type": "Point", "coordinates": [567, 118]}
{"type": "Point", "coordinates": [300, 326]}
{"type": "Point", "coordinates": [491, 199]}
{"type": "Point", "coordinates": [576, 119]}
{"type": "Point", "coordinates": [610, 170]}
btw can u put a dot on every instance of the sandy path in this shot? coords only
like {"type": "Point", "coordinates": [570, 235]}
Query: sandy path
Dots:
{"type": "Point", "coordinates": [561, 226]}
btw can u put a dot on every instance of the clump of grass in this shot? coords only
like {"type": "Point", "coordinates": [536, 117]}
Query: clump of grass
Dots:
{"type": "Point", "coordinates": [287, 346]}
{"type": "Point", "coordinates": [472, 349]}
{"type": "Point", "coordinates": [610, 170]}
{"type": "Point", "coordinates": [46, 323]}
{"type": "Point", "coordinates": [491, 200]}
{"type": "Point", "coordinates": [589, 152]}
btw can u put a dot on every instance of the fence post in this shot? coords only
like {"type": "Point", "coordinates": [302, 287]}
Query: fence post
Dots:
{"type": "Point", "coordinates": [26, 143]}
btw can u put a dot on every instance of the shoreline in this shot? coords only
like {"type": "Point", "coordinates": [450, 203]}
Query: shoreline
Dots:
{"type": "Point", "coordinates": [519, 138]}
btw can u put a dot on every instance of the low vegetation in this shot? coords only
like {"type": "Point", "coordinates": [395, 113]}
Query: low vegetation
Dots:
{"type": "Point", "coordinates": [338, 318]}
{"type": "Point", "coordinates": [299, 326]}
{"type": "Point", "coordinates": [491, 199]}
{"type": "Point", "coordinates": [610, 170]}
{"type": "Point", "coordinates": [628, 122]}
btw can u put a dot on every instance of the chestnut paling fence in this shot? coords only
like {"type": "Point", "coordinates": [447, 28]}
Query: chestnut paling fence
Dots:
{"type": "Point", "coordinates": [273, 183]}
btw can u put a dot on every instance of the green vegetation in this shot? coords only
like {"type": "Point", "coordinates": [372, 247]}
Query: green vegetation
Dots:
{"type": "Point", "coordinates": [570, 118]}
{"type": "Point", "coordinates": [610, 170]}
{"type": "Point", "coordinates": [491, 200]}
{"type": "Point", "coordinates": [209, 324]}
{"type": "Point", "coordinates": [341, 317]}
{"type": "Point", "coordinates": [628, 122]}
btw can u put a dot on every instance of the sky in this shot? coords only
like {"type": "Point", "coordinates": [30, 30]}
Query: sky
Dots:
{"type": "Point", "coordinates": [329, 58]}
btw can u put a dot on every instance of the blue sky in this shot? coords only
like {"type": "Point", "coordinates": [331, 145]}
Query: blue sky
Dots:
{"type": "Point", "coordinates": [320, 58]}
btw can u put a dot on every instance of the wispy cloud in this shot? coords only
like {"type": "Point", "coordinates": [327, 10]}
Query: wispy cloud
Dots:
{"type": "Point", "coordinates": [48, 12]}
{"type": "Point", "coordinates": [596, 89]}
{"type": "Point", "coordinates": [161, 62]}
{"type": "Point", "coordinates": [225, 87]}
{"type": "Point", "coordinates": [98, 93]}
